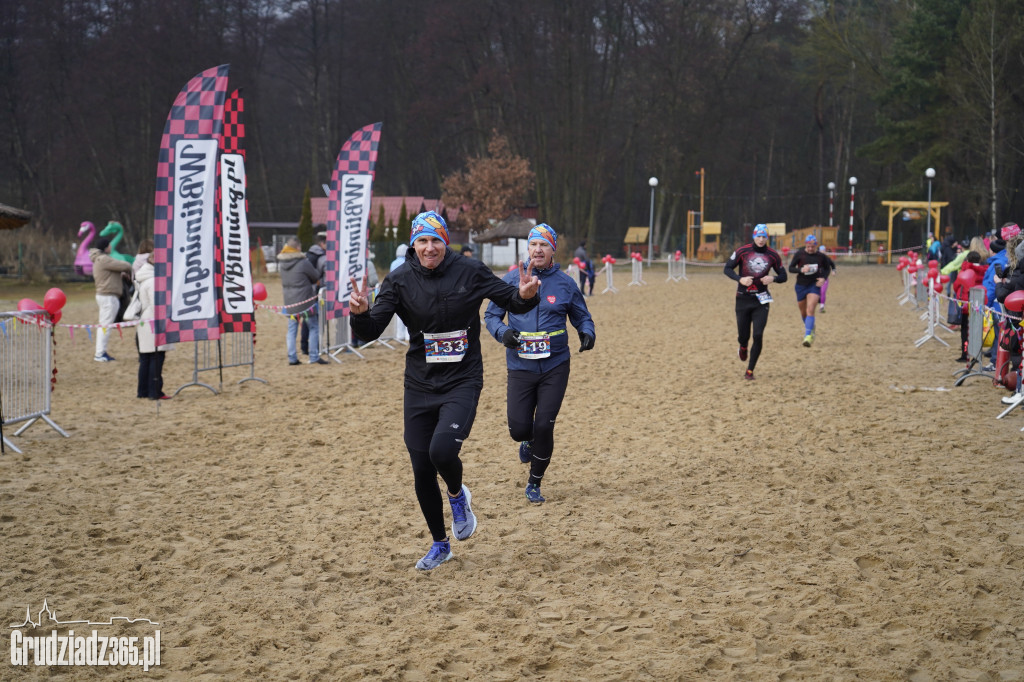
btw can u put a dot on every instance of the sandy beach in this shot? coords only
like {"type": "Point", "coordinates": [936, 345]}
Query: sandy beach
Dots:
{"type": "Point", "coordinates": [839, 518]}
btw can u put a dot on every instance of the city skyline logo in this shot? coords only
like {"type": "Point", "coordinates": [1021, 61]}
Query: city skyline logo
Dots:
{"type": "Point", "coordinates": [88, 648]}
{"type": "Point", "coordinates": [51, 614]}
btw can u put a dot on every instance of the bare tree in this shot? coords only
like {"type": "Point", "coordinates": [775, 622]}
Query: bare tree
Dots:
{"type": "Point", "coordinates": [490, 187]}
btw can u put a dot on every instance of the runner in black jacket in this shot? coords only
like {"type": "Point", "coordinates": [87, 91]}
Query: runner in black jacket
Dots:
{"type": "Point", "coordinates": [437, 294]}
{"type": "Point", "coordinates": [755, 262]}
{"type": "Point", "coordinates": [812, 269]}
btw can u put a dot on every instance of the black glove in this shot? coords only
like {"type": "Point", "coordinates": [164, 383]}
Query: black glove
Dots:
{"type": "Point", "coordinates": [586, 341]}
{"type": "Point", "coordinates": [510, 338]}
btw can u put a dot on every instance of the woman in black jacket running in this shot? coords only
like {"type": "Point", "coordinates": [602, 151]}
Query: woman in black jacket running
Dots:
{"type": "Point", "coordinates": [437, 294]}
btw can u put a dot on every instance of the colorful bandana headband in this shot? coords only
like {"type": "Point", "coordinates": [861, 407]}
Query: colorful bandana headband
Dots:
{"type": "Point", "coordinates": [761, 230]}
{"type": "Point", "coordinates": [426, 224]}
{"type": "Point", "coordinates": [545, 232]}
{"type": "Point", "coordinates": [811, 238]}
{"type": "Point", "coordinates": [1010, 231]}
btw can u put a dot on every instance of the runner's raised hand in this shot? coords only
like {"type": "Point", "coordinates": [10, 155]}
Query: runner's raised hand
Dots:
{"type": "Point", "coordinates": [359, 302]}
{"type": "Point", "coordinates": [528, 283]}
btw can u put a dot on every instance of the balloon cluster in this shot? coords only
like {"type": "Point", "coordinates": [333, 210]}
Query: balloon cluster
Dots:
{"type": "Point", "coordinates": [911, 264]}
{"type": "Point", "coordinates": [578, 262]}
{"type": "Point", "coordinates": [53, 302]}
{"type": "Point", "coordinates": [935, 278]}
{"type": "Point", "coordinates": [679, 254]}
{"type": "Point", "coordinates": [785, 250]}
{"type": "Point", "coordinates": [608, 259]}
{"type": "Point", "coordinates": [636, 255]}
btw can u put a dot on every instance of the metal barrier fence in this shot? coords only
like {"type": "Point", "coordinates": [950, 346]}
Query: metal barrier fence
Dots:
{"type": "Point", "coordinates": [26, 366]}
{"type": "Point", "coordinates": [638, 273]}
{"type": "Point", "coordinates": [342, 340]}
{"type": "Point", "coordinates": [232, 349]}
{"type": "Point", "coordinates": [676, 268]}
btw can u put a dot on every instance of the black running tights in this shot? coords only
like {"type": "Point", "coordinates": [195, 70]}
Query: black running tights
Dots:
{"type": "Point", "coordinates": [751, 313]}
{"type": "Point", "coordinates": [435, 426]}
{"type": "Point", "coordinates": [534, 400]}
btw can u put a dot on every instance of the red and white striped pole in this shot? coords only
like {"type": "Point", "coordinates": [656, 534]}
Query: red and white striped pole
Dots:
{"type": "Point", "coordinates": [853, 191]}
{"type": "Point", "coordinates": [831, 204]}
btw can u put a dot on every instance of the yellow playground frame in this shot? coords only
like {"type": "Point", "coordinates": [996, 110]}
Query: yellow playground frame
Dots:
{"type": "Point", "coordinates": [898, 206]}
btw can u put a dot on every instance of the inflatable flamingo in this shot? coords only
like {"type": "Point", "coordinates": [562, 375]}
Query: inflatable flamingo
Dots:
{"type": "Point", "coordinates": [114, 231]}
{"type": "Point", "coordinates": [86, 232]}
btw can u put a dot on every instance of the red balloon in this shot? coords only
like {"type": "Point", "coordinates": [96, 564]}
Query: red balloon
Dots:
{"type": "Point", "coordinates": [612, 260]}
{"type": "Point", "coordinates": [912, 268]}
{"type": "Point", "coordinates": [1015, 301]}
{"type": "Point", "coordinates": [55, 318]}
{"type": "Point", "coordinates": [937, 287]}
{"type": "Point", "coordinates": [259, 291]}
{"type": "Point", "coordinates": [944, 279]}
{"type": "Point", "coordinates": [27, 304]}
{"type": "Point", "coordinates": [1010, 380]}
{"type": "Point", "coordinates": [904, 260]}
{"type": "Point", "coordinates": [900, 266]}
{"type": "Point", "coordinates": [678, 255]}
{"type": "Point", "coordinates": [54, 300]}
{"type": "Point", "coordinates": [785, 250]}
{"type": "Point", "coordinates": [933, 273]}
{"type": "Point", "coordinates": [933, 264]}
{"type": "Point", "coordinates": [966, 278]}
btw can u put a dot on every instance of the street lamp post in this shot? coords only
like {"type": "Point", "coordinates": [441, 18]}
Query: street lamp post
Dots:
{"type": "Point", "coordinates": [930, 173]}
{"type": "Point", "coordinates": [831, 203]}
{"type": "Point", "coordinates": [653, 182]}
{"type": "Point", "coordinates": [853, 191]}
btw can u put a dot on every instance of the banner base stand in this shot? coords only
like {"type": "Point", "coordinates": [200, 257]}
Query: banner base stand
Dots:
{"type": "Point", "coordinates": [46, 419]}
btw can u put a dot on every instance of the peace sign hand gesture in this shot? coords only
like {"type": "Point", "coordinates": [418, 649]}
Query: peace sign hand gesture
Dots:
{"type": "Point", "coordinates": [359, 302]}
{"type": "Point", "coordinates": [528, 282]}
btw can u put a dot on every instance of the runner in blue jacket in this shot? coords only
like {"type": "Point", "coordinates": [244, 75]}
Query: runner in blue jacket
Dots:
{"type": "Point", "coordinates": [538, 354]}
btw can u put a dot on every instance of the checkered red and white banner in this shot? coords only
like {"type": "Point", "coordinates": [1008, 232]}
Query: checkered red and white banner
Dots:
{"type": "Point", "coordinates": [184, 229]}
{"type": "Point", "coordinates": [348, 216]}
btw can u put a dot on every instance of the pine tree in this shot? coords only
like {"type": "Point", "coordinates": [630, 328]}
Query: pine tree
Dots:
{"type": "Point", "coordinates": [378, 230]}
{"type": "Point", "coordinates": [404, 222]}
{"type": "Point", "coordinates": [306, 222]}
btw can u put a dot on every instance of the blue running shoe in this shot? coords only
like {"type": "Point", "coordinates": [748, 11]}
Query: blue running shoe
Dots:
{"type": "Point", "coordinates": [525, 452]}
{"type": "Point", "coordinates": [463, 518]}
{"type": "Point", "coordinates": [533, 493]}
{"type": "Point", "coordinates": [439, 553]}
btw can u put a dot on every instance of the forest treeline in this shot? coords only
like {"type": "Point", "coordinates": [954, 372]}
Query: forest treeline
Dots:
{"type": "Point", "coordinates": [772, 98]}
